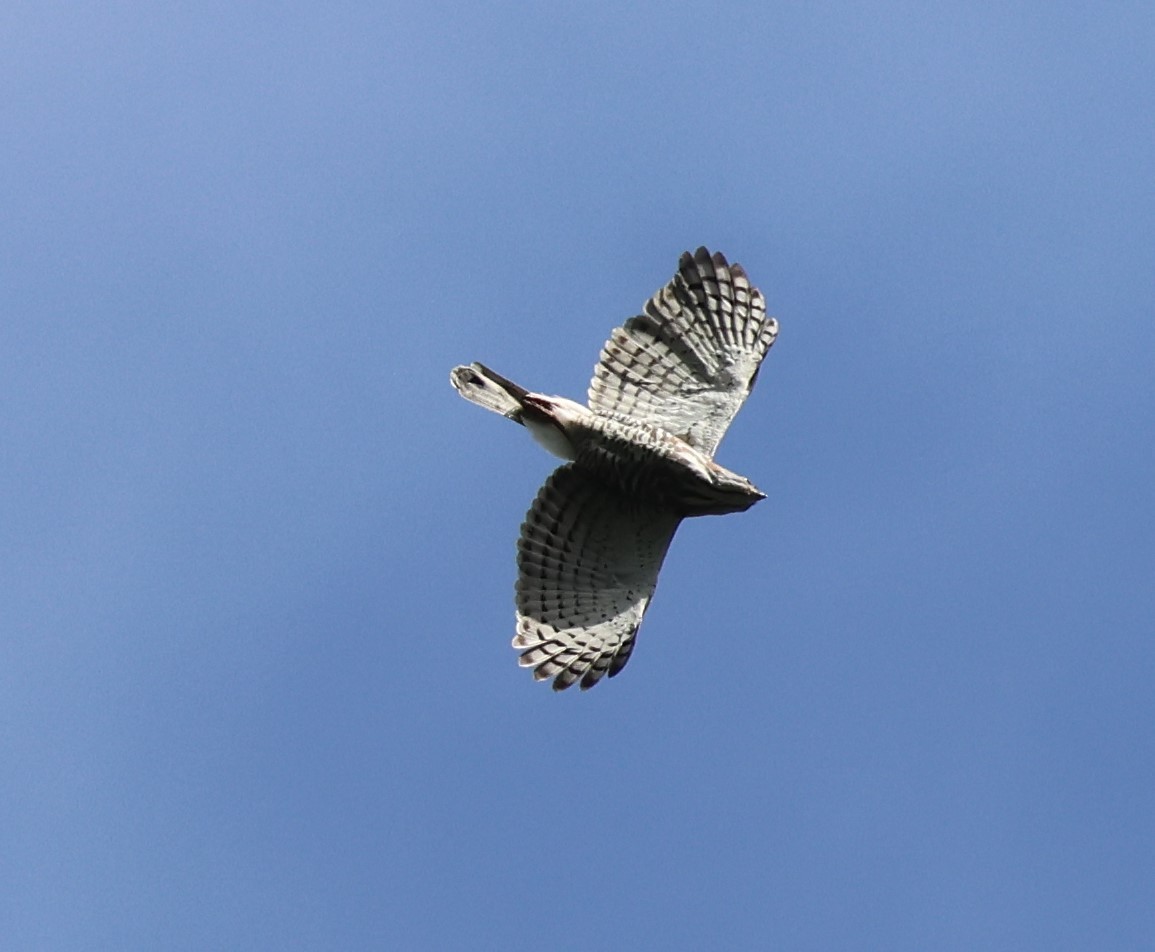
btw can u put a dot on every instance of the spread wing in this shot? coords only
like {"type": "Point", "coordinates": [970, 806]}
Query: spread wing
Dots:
{"type": "Point", "coordinates": [688, 362]}
{"type": "Point", "coordinates": [588, 561]}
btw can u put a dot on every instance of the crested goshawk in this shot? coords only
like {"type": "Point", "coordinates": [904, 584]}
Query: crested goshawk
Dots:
{"type": "Point", "coordinates": [641, 459]}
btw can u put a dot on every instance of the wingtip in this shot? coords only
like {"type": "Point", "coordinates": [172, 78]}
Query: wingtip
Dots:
{"type": "Point", "coordinates": [706, 261]}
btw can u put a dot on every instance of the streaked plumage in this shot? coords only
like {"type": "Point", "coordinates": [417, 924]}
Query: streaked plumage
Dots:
{"type": "Point", "coordinates": [665, 389]}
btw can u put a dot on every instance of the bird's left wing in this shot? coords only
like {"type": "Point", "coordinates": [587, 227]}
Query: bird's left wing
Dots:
{"type": "Point", "coordinates": [588, 561]}
{"type": "Point", "coordinates": [688, 361]}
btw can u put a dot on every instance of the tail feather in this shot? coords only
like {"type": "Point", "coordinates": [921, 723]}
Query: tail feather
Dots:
{"type": "Point", "coordinates": [480, 385]}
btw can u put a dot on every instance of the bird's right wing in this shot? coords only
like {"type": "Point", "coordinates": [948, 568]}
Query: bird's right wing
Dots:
{"type": "Point", "coordinates": [588, 561]}
{"type": "Point", "coordinates": [688, 362]}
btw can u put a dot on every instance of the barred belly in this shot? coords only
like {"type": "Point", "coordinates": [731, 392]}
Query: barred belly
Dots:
{"type": "Point", "coordinates": [647, 464]}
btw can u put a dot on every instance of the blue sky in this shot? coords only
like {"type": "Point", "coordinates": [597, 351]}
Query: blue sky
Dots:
{"type": "Point", "coordinates": [256, 690]}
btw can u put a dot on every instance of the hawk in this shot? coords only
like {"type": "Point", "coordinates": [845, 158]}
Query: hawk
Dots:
{"type": "Point", "coordinates": [640, 460]}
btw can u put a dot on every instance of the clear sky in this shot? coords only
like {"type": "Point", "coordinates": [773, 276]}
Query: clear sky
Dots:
{"type": "Point", "coordinates": [256, 689]}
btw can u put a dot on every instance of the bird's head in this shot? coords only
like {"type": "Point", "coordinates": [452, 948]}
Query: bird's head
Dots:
{"type": "Point", "coordinates": [737, 492]}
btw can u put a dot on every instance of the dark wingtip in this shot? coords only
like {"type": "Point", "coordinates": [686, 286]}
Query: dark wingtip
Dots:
{"type": "Point", "coordinates": [704, 260]}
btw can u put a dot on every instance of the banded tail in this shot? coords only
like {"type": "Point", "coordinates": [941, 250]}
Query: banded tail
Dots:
{"type": "Point", "coordinates": [480, 385]}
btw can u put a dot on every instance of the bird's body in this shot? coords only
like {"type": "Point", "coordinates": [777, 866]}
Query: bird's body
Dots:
{"type": "Point", "coordinates": [641, 459]}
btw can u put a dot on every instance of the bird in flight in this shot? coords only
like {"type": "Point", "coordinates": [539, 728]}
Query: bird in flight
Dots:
{"type": "Point", "coordinates": [640, 459]}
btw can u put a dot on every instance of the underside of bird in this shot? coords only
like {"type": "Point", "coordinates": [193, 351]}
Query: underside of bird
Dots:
{"type": "Point", "coordinates": [640, 460]}
{"type": "Point", "coordinates": [665, 389]}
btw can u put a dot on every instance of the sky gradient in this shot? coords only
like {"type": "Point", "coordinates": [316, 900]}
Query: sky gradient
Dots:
{"type": "Point", "coordinates": [256, 689]}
